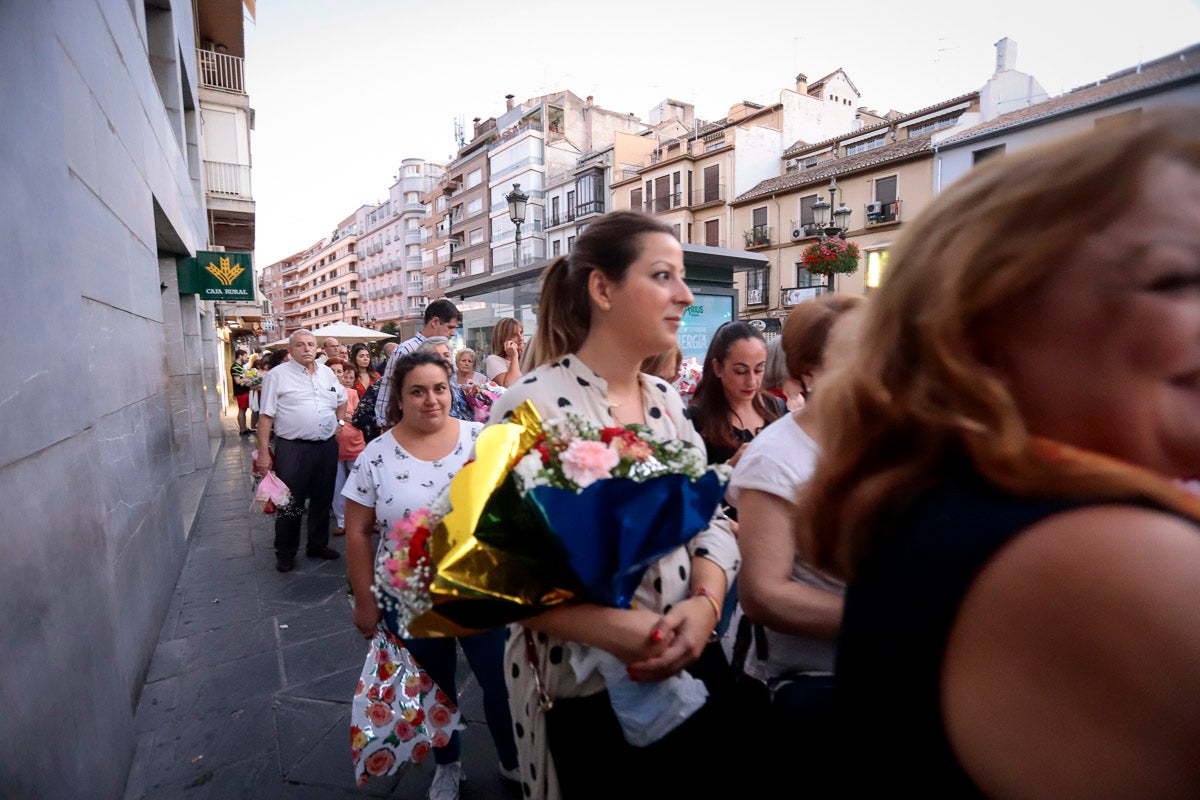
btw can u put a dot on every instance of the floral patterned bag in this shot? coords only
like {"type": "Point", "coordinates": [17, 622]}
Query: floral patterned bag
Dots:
{"type": "Point", "coordinates": [398, 712]}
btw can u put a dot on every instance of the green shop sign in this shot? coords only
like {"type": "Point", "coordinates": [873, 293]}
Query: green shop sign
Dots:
{"type": "Point", "coordinates": [217, 276]}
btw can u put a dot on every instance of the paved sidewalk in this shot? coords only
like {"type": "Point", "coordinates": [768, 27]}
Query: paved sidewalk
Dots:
{"type": "Point", "coordinates": [249, 691]}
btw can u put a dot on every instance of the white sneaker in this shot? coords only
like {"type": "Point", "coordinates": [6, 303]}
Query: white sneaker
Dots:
{"type": "Point", "coordinates": [446, 779]}
{"type": "Point", "coordinates": [513, 774]}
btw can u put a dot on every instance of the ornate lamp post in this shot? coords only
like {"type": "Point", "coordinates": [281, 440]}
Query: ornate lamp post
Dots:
{"type": "Point", "coordinates": [831, 225]}
{"type": "Point", "coordinates": [516, 212]}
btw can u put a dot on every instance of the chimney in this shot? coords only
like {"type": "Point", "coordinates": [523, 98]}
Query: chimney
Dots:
{"type": "Point", "coordinates": [475, 126]}
{"type": "Point", "coordinates": [508, 98]}
{"type": "Point", "coordinates": [802, 83]}
{"type": "Point", "coordinates": [1006, 55]}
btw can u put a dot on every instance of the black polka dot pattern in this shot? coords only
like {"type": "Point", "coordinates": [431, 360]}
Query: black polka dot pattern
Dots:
{"type": "Point", "coordinates": [530, 380]}
{"type": "Point", "coordinates": [516, 670]}
{"type": "Point", "coordinates": [556, 654]}
{"type": "Point", "coordinates": [701, 551]}
{"type": "Point", "coordinates": [582, 382]}
{"type": "Point", "coordinates": [542, 638]}
{"type": "Point", "coordinates": [519, 729]}
{"type": "Point", "coordinates": [563, 402]}
{"type": "Point", "coordinates": [566, 362]}
{"type": "Point", "coordinates": [655, 412]}
{"type": "Point", "coordinates": [658, 584]}
{"type": "Point", "coordinates": [507, 416]}
{"type": "Point", "coordinates": [660, 387]}
{"type": "Point", "coordinates": [667, 608]}
{"type": "Point", "coordinates": [682, 572]}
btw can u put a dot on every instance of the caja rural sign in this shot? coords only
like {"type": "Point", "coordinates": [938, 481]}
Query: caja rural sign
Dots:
{"type": "Point", "coordinates": [217, 276]}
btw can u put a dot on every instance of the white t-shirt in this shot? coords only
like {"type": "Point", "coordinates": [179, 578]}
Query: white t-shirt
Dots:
{"type": "Point", "coordinates": [779, 461]}
{"type": "Point", "coordinates": [394, 482]}
{"type": "Point", "coordinates": [493, 365]}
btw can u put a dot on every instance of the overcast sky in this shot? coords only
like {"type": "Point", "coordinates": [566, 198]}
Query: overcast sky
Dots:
{"type": "Point", "coordinates": [343, 91]}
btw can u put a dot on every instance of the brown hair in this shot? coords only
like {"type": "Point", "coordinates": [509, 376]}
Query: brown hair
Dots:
{"type": "Point", "coordinates": [806, 332]}
{"type": "Point", "coordinates": [610, 244]}
{"type": "Point", "coordinates": [664, 365]}
{"type": "Point", "coordinates": [917, 389]}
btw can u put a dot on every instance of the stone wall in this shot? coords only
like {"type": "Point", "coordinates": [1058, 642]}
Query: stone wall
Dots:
{"type": "Point", "coordinates": [106, 413]}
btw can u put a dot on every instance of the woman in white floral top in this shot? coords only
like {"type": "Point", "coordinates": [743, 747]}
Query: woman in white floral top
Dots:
{"type": "Point", "coordinates": [399, 472]}
{"type": "Point", "coordinates": [618, 298]}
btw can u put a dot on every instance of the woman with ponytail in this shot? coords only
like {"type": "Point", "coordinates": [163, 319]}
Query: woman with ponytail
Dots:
{"type": "Point", "coordinates": [618, 298]}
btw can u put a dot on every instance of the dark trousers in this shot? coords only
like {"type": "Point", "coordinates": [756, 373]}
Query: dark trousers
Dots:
{"type": "Point", "coordinates": [485, 654]}
{"type": "Point", "coordinates": [593, 760]}
{"type": "Point", "coordinates": [309, 470]}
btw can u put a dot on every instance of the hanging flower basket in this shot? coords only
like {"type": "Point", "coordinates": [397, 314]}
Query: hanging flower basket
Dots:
{"type": "Point", "coordinates": [831, 255]}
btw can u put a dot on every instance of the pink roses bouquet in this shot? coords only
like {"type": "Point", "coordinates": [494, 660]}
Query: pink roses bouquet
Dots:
{"type": "Point", "coordinates": [689, 377]}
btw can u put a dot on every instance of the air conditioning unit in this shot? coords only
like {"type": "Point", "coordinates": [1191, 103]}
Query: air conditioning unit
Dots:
{"type": "Point", "coordinates": [874, 210]}
{"type": "Point", "coordinates": [797, 233]}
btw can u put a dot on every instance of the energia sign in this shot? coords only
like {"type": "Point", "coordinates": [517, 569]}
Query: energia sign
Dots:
{"type": "Point", "coordinates": [217, 276]}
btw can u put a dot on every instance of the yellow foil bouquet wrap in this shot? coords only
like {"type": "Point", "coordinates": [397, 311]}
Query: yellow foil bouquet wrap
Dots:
{"type": "Point", "coordinates": [477, 586]}
{"type": "Point", "coordinates": [549, 512]}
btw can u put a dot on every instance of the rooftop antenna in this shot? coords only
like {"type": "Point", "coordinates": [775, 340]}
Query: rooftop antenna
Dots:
{"type": "Point", "coordinates": [459, 137]}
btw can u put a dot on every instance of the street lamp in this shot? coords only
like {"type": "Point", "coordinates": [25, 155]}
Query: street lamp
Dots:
{"type": "Point", "coordinates": [827, 229]}
{"type": "Point", "coordinates": [342, 295]}
{"type": "Point", "coordinates": [516, 212]}
{"type": "Point", "coordinates": [841, 216]}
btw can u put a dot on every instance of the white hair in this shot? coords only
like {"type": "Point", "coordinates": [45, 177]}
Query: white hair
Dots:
{"type": "Point", "coordinates": [301, 332]}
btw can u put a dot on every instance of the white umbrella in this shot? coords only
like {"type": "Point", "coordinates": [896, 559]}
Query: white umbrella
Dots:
{"type": "Point", "coordinates": [346, 333]}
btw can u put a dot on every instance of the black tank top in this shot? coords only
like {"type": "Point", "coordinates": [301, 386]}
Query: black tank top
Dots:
{"type": "Point", "coordinates": [898, 615]}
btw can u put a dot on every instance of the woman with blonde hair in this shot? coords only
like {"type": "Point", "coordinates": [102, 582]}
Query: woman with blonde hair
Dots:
{"type": "Point", "coordinates": [997, 481]}
{"type": "Point", "coordinates": [508, 345]}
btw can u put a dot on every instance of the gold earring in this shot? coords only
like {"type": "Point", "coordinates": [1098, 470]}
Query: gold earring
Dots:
{"type": "Point", "coordinates": [605, 306]}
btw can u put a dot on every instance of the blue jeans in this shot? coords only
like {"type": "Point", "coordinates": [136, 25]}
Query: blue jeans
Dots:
{"type": "Point", "coordinates": [485, 654]}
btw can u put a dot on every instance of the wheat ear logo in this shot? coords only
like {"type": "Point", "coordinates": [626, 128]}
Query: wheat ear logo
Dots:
{"type": "Point", "coordinates": [227, 273]}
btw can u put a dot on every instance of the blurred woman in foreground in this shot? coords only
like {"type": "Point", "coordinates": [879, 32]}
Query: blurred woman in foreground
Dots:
{"type": "Point", "coordinates": [997, 482]}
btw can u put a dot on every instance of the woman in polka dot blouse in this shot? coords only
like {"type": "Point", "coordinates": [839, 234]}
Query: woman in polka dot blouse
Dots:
{"type": "Point", "coordinates": [618, 298]}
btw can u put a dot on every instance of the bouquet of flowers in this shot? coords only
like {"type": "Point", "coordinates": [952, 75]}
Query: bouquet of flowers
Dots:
{"type": "Point", "coordinates": [689, 377]}
{"type": "Point", "coordinates": [551, 512]}
{"type": "Point", "coordinates": [253, 375]}
{"type": "Point", "coordinates": [480, 397]}
{"type": "Point", "coordinates": [827, 256]}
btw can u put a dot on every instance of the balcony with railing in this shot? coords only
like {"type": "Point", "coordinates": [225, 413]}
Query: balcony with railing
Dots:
{"type": "Point", "coordinates": [759, 236]}
{"type": "Point", "coordinates": [878, 213]}
{"type": "Point", "coordinates": [709, 195]}
{"type": "Point", "coordinates": [222, 72]}
{"type": "Point", "coordinates": [228, 180]}
{"type": "Point", "coordinates": [668, 202]}
{"type": "Point", "coordinates": [798, 294]}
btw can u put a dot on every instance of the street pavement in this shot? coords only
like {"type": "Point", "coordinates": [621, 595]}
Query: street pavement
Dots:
{"type": "Point", "coordinates": [248, 694]}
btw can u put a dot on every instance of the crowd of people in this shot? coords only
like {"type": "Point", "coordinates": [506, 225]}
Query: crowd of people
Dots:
{"type": "Point", "coordinates": [957, 554]}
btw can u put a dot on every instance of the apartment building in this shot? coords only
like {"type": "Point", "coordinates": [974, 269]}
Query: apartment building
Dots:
{"type": "Point", "coordinates": [391, 241]}
{"type": "Point", "coordinates": [458, 232]}
{"type": "Point", "coordinates": [690, 178]}
{"type": "Point", "coordinates": [881, 168]}
{"type": "Point", "coordinates": [226, 120]}
{"type": "Point", "coordinates": [321, 284]}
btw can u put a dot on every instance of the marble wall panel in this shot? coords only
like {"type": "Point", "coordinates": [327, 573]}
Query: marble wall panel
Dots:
{"type": "Point", "coordinates": [56, 585]}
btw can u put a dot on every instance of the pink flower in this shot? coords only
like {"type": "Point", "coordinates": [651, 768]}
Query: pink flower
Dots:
{"type": "Point", "coordinates": [586, 462]}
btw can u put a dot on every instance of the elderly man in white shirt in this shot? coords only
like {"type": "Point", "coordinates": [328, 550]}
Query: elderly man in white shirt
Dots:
{"type": "Point", "coordinates": [305, 405]}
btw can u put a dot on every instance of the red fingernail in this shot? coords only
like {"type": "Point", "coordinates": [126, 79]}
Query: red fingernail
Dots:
{"type": "Point", "coordinates": [657, 636]}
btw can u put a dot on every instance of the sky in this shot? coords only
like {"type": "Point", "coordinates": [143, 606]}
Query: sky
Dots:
{"type": "Point", "coordinates": [344, 91]}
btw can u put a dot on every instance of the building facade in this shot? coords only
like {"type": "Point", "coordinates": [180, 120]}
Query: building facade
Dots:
{"type": "Point", "coordinates": [107, 451]}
